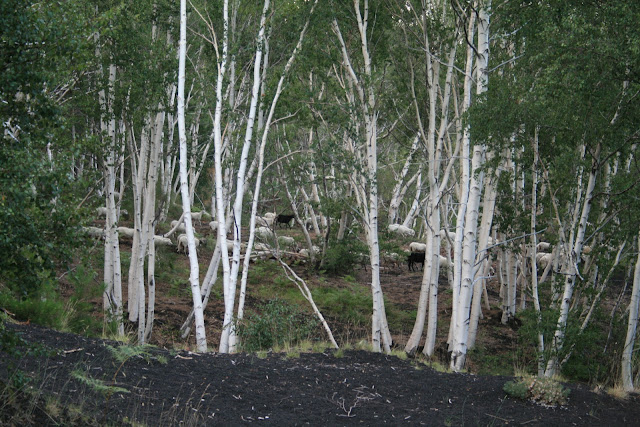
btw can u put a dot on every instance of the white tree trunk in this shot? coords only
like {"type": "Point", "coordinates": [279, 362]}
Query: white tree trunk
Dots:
{"type": "Point", "coordinates": [461, 331]}
{"type": "Point", "coordinates": [627, 351]}
{"type": "Point", "coordinates": [194, 277]}
{"type": "Point", "coordinates": [571, 271]}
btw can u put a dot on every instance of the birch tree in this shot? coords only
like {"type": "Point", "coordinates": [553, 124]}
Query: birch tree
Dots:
{"type": "Point", "coordinates": [367, 186]}
{"type": "Point", "coordinates": [194, 276]}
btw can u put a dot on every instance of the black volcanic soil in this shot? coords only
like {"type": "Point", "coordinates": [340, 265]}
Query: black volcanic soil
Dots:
{"type": "Point", "coordinates": [182, 388]}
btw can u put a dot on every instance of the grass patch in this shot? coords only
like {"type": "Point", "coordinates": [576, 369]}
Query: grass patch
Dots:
{"type": "Point", "coordinates": [125, 352]}
{"type": "Point", "coordinates": [96, 384]}
{"type": "Point", "coordinates": [350, 305]}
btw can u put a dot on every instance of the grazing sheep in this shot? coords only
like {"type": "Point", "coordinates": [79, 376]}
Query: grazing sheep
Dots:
{"type": "Point", "coordinates": [162, 241]}
{"type": "Point", "coordinates": [417, 247]}
{"type": "Point", "coordinates": [401, 230]}
{"type": "Point", "coordinates": [197, 216]}
{"type": "Point", "coordinates": [183, 243]}
{"type": "Point", "coordinates": [213, 225]}
{"type": "Point", "coordinates": [543, 259]}
{"type": "Point", "coordinates": [586, 250]}
{"type": "Point", "coordinates": [261, 247]}
{"type": "Point", "coordinates": [265, 221]}
{"type": "Point", "coordinates": [101, 212]}
{"type": "Point", "coordinates": [415, 258]}
{"type": "Point", "coordinates": [284, 219]}
{"type": "Point", "coordinates": [543, 246]}
{"type": "Point", "coordinates": [94, 232]}
{"type": "Point", "coordinates": [180, 227]}
{"type": "Point", "coordinates": [286, 241]}
{"type": "Point", "coordinates": [445, 233]}
{"type": "Point", "coordinates": [243, 246]}
{"type": "Point", "coordinates": [264, 233]}
{"type": "Point", "coordinates": [419, 258]}
{"type": "Point", "coordinates": [271, 215]}
{"type": "Point", "coordinates": [444, 262]}
{"type": "Point", "coordinates": [391, 258]}
{"type": "Point", "coordinates": [305, 252]}
{"type": "Point", "coordinates": [126, 232]}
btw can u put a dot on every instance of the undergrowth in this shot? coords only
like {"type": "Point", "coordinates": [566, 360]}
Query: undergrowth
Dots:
{"type": "Point", "coordinates": [543, 391]}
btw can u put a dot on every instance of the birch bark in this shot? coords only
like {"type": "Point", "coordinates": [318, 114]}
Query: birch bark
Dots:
{"type": "Point", "coordinates": [201, 339]}
{"type": "Point", "coordinates": [627, 351]}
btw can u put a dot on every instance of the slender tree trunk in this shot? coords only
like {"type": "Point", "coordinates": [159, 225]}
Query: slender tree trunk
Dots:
{"type": "Point", "coordinates": [201, 339]}
{"type": "Point", "coordinates": [627, 351]}
{"type": "Point", "coordinates": [571, 270]}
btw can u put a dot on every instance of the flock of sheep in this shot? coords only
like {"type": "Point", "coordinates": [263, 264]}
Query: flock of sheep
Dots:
{"type": "Point", "coordinates": [267, 223]}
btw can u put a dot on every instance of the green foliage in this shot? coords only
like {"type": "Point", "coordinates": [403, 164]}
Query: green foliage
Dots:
{"type": "Point", "coordinates": [46, 311]}
{"type": "Point", "coordinates": [96, 384]}
{"type": "Point", "coordinates": [276, 323]}
{"type": "Point", "coordinates": [125, 352]}
{"type": "Point", "coordinates": [38, 197]}
{"type": "Point", "coordinates": [543, 391]}
{"type": "Point", "coordinates": [517, 389]}
{"type": "Point", "coordinates": [343, 256]}
{"type": "Point", "coordinates": [350, 305]}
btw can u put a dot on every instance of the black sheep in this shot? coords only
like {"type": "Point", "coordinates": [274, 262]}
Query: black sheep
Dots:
{"type": "Point", "coordinates": [284, 219]}
{"type": "Point", "coordinates": [415, 258]}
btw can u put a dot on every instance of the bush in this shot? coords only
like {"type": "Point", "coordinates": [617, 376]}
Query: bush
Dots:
{"type": "Point", "coordinates": [543, 391]}
{"type": "Point", "coordinates": [276, 324]}
{"type": "Point", "coordinates": [342, 256]}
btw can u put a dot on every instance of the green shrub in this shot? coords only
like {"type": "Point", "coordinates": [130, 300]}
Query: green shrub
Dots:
{"type": "Point", "coordinates": [343, 256]}
{"type": "Point", "coordinates": [349, 305]}
{"type": "Point", "coordinates": [276, 324]}
{"type": "Point", "coordinates": [543, 391]}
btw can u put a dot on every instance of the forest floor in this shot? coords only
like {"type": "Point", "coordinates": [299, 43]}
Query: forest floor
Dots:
{"type": "Point", "coordinates": [89, 381]}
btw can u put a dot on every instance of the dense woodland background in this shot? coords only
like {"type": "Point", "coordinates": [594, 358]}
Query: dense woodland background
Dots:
{"type": "Point", "coordinates": [502, 136]}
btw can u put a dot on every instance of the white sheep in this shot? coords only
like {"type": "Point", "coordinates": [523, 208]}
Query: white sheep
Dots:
{"type": "Point", "coordinates": [543, 246]}
{"type": "Point", "coordinates": [213, 225]}
{"type": "Point", "coordinates": [417, 247]}
{"type": "Point", "coordinates": [543, 259]}
{"type": "Point", "coordinates": [197, 216]}
{"type": "Point", "coordinates": [183, 243]}
{"type": "Point", "coordinates": [264, 233]}
{"type": "Point", "coordinates": [94, 231]}
{"type": "Point", "coordinates": [305, 252]}
{"type": "Point", "coordinates": [126, 232]}
{"type": "Point", "coordinates": [101, 212]}
{"type": "Point", "coordinates": [264, 221]}
{"type": "Point", "coordinates": [271, 215]}
{"type": "Point", "coordinates": [180, 227]}
{"type": "Point", "coordinates": [286, 241]}
{"type": "Point", "coordinates": [261, 247]}
{"type": "Point", "coordinates": [243, 246]}
{"type": "Point", "coordinates": [401, 230]}
{"type": "Point", "coordinates": [391, 258]}
{"type": "Point", "coordinates": [444, 262]}
{"type": "Point", "coordinates": [162, 241]}
{"type": "Point", "coordinates": [445, 233]}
